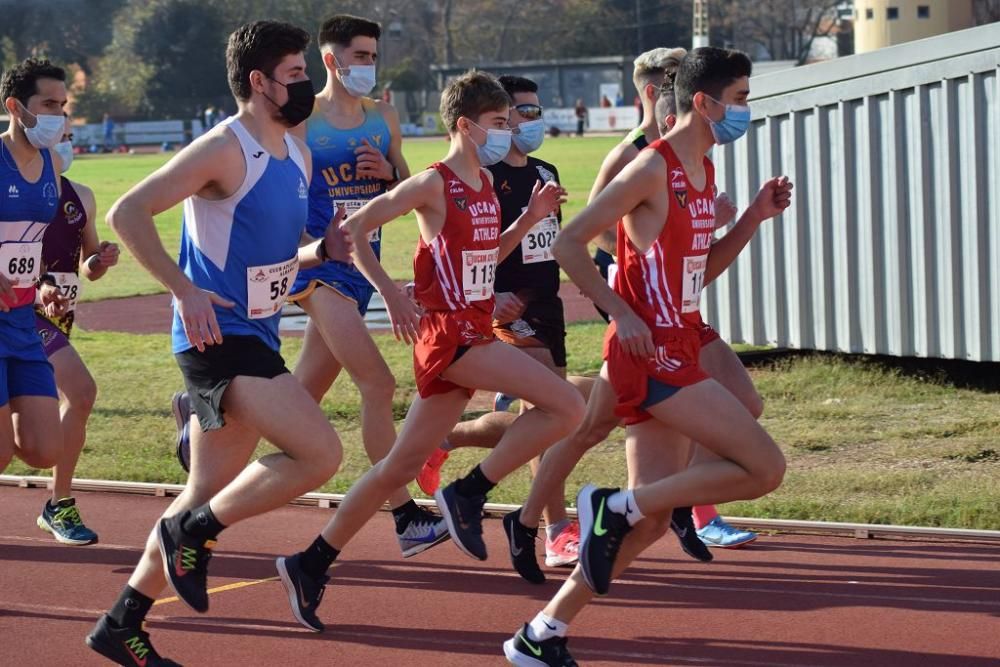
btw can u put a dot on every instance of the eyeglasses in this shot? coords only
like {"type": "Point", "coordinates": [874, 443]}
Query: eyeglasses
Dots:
{"type": "Point", "coordinates": [529, 111]}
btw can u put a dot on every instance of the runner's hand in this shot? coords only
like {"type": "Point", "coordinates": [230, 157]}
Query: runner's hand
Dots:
{"type": "Point", "coordinates": [404, 316]}
{"type": "Point", "coordinates": [337, 239]}
{"type": "Point", "coordinates": [545, 199]}
{"type": "Point", "coordinates": [6, 293]}
{"type": "Point", "coordinates": [635, 336]}
{"type": "Point", "coordinates": [53, 301]}
{"type": "Point", "coordinates": [198, 316]}
{"type": "Point", "coordinates": [508, 307]}
{"type": "Point", "coordinates": [774, 197]}
{"type": "Point", "coordinates": [372, 164]}
{"type": "Point", "coordinates": [107, 254]}
{"type": "Point", "coordinates": [725, 210]}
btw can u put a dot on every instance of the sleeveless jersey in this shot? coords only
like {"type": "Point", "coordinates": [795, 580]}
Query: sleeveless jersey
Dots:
{"type": "Point", "coordinates": [530, 266]}
{"type": "Point", "coordinates": [663, 285]}
{"type": "Point", "coordinates": [244, 247]}
{"type": "Point", "coordinates": [334, 182]}
{"type": "Point", "coordinates": [61, 252]}
{"type": "Point", "coordinates": [457, 269]}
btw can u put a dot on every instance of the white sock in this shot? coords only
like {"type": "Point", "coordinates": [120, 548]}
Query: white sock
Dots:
{"type": "Point", "coordinates": [544, 627]}
{"type": "Point", "coordinates": [623, 502]}
{"type": "Point", "coordinates": [552, 532]}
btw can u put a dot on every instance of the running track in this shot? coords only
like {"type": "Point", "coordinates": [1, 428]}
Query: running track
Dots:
{"type": "Point", "coordinates": [790, 600]}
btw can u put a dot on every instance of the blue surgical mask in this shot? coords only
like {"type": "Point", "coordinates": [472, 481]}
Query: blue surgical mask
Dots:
{"type": "Point", "coordinates": [496, 147]}
{"type": "Point", "coordinates": [734, 123]}
{"type": "Point", "coordinates": [359, 80]}
{"type": "Point", "coordinates": [64, 149]}
{"type": "Point", "coordinates": [529, 135]}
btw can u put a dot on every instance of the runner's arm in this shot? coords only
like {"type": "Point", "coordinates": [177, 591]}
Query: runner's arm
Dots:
{"type": "Point", "coordinates": [92, 250]}
{"type": "Point", "coordinates": [395, 155]}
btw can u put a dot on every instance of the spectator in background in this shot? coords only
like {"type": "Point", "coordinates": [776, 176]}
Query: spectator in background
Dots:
{"type": "Point", "coordinates": [605, 102]}
{"type": "Point", "coordinates": [581, 116]}
{"type": "Point", "coordinates": [109, 132]}
{"type": "Point", "coordinates": [619, 99]}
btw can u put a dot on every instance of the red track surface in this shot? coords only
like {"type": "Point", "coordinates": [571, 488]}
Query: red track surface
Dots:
{"type": "Point", "coordinates": [789, 600]}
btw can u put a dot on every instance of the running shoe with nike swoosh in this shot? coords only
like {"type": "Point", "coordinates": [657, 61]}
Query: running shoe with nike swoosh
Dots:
{"type": "Point", "coordinates": [523, 651]}
{"type": "Point", "coordinates": [521, 543]}
{"type": "Point", "coordinates": [185, 561]}
{"type": "Point", "coordinates": [465, 519]}
{"type": "Point", "coordinates": [718, 533]}
{"type": "Point", "coordinates": [125, 646]}
{"type": "Point", "coordinates": [602, 531]}
{"type": "Point", "coordinates": [683, 526]}
{"type": "Point", "coordinates": [304, 592]}
{"type": "Point", "coordinates": [424, 531]}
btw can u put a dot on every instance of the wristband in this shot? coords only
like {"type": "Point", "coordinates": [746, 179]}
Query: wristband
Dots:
{"type": "Point", "coordinates": [47, 279]}
{"type": "Point", "coordinates": [321, 251]}
{"type": "Point", "coordinates": [395, 175]}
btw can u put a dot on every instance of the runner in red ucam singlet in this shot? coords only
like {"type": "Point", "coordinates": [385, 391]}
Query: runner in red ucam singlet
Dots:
{"type": "Point", "coordinates": [455, 353]}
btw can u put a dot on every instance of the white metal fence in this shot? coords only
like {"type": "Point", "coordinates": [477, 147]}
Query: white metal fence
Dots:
{"type": "Point", "coordinates": [892, 243]}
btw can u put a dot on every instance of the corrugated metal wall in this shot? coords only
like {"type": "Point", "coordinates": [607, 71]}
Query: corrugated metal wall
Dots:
{"type": "Point", "coordinates": [892, 242]}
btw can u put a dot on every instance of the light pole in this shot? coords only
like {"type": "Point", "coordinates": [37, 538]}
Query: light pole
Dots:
{"type": "Point", "coordinates": [700, 32]}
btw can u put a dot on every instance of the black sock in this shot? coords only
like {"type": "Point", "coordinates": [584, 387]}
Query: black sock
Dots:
{"type": "Point", "coordinates": [201, 524]}
{"type": "Point", "coordinates": [404, 514]}
{"type": "Point", "coordinates": [318, 558]}
{"type": "Point", "coordinates": [474, 484]}
{"type": "Point", "coordinates": [130, 610]}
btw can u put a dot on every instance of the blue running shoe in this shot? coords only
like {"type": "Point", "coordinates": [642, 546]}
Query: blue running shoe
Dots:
{"type": "Point", "coordinates": [180, 405]}
{"type": "Point", "coordinates": [64, 522]}
{"type": "Point", "coordinates": [502, 402]}
{"type": "Point", "coordinates": [465, 520]}
{"type": "Point", "coordinates": [718, 533]}
{"type": "Point", "coordinates": [304, 592]}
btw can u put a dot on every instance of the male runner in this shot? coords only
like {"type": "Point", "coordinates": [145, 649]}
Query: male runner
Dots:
{"type": "Point", "coordinates": [529, 312]}
{"type": "Point", "coordinates": [243, 185]}
{"type": "Point", "coordinates": [664, 201]}
{"type": "Point", "coordinates": [356, 145]}
{"type": "Point", "coordinates": [70, 247]}
{"type": "Point", "coordinates": [33, 94]}
{"type": "Point", "coordinates": [454, 267]}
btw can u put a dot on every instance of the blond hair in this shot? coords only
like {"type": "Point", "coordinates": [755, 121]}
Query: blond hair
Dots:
{"type": "Point", "coordinates": [651, 66]}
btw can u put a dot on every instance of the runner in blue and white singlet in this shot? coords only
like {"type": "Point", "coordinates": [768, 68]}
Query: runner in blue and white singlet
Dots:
{"type": "Point", "coordinates": [335, 183]}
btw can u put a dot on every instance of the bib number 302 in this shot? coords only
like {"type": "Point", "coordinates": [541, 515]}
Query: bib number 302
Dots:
{"type": "Point", "coordinates": [268, 286]}
{"type": "Point", "coordinates": [536, 246]}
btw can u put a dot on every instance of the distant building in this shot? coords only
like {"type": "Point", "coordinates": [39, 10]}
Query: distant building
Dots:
{"type": "Point", "coordinates": [882, 23]}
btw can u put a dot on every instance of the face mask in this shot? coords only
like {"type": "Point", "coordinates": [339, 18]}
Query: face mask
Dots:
{"type": "Point", "coordinates": [734, 123]}
{"type": "Point", "coordinates": [48, 129]}
{"type": "Point", "coordinates": [359, 80]}
{"type": "Point", "coordinates": [529, 136]}
{"type": "Point", "coordinates": [496, 147]}
{"type": "Point", "coordinates": [64, 149]}
{"type": "Point", "coordinates": [301, 98]}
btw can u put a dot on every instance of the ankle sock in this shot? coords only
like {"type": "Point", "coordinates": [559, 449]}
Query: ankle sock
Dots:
{"type": "Point", "coordinates": [403, 514]}
{"type": "Point", "coordinates": [202, 524]}
{"type": "Point", "coordinates": [544, 627]}
{"type": "Point", "coordinates": [130, 610]}
{"type": "Point", "coordinates": [623, 502]}
{"type": "Point", "coordinates": [474, 484]}
{"type": "Point", "coordinates": [318, 558]}
{"type": "Point", "coordinates": [552, 531]}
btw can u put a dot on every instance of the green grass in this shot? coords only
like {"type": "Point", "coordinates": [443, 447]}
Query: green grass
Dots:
{"type": "Point", "coordinates": [864, 441]}
{"type": "Point", "coordinates": [112, 175]}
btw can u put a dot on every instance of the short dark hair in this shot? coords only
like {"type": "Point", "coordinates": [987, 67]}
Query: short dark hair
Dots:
{"type": "Point", "coordinates": [708, 70]}
{"type": "Point", "coordinates": [21, 80]}
{"type": "Point", "coordinates": [260, 46]}
{"type": "Point", "coordinates": [342, 28]}
{"type": "Point", "coordinates": [517, 84]}
{"type": "Point", "coordinates": [471, 95]}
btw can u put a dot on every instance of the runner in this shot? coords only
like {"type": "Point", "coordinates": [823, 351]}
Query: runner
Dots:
{"type": "Point", "coordinates": [70, 247]}
{"type": "Point", "coordinates": [668, 401]}
{"type": "Point", "coordinates": [356, 145]}
{"type": "Point", "coordinates": [529, 312]}
{"type": "Point", "coordinates": [454, 265]}
{"type": "Point", "coordinates": [243, 185]}
{"type": "Point", "coordinates": [33, 94]}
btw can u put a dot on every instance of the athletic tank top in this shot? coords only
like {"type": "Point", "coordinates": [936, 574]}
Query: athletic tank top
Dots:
{"type": "Point", "coordinates": [244, 247]}
{"type": "Point", "coordinates": [663, 285]}
{"type": "Point", "coordinates": [26, 209]}
{"type": "Point", "coordinates": [457, 269]}
{"type": "Point", "coordinates": [334, 181]}
{"type": "Point", "coordinates": [61, 252]}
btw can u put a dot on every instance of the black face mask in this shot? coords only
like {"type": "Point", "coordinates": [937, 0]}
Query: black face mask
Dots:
{"type": "Point", "coordinates": [299, 106]}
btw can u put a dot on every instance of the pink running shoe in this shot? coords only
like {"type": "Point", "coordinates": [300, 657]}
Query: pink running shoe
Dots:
{"type": "Point", "coordinates": [562, 551]}
{"type": "Point", "coordinates": [429, 478]}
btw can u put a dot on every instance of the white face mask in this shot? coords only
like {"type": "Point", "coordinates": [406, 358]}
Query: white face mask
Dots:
{"type": "Point", "coordinates": [359, 80]}
{"type": "Point", "coordinates": [48, 129]}
{"type": "Point", "coordinates": [64, 149]}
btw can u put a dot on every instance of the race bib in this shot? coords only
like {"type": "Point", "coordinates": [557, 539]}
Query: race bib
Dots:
{"type": "Point", "coordinates": [69, 284]}
{"type": "Point", "coordinates": [694, 281]}
{"type": "Point", "coordinates": [612, 274]}
{"type": "Point", "coordinates": [352, 206]}
{"type": "Point", "coordinates": [479, 268]}
{"type": "Point", "coordinates": [21, 263]}
{"type": "Point", "coordinates": [267, 287]}
{"type": "Point", "coordinates": [536, 246]}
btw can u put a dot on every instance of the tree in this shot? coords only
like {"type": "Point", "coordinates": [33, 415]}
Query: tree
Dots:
{"type": "Point", "coordinates": [782, 29]}
{"type": "Point", "coordinates": [986, 11]}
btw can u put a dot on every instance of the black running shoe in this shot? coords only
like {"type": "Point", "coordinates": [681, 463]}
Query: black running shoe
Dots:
{"type": "Point", "coordinates": [683, 526]}
{"type": "Point", "coordinates": [125, 646]}
{"type": "Point", "coordinates": [521, 540]}
{"type": "Point", "coordinates": [304, 592]}
{"type": "Point", "coordinates": [520, 650]}
{"type": "Point", "coordinates": [465, 519]}
{"type": "Point", "coordinates": [601, 534]}
{"type": "Point", "coordinates": [185, 561]}
{"type": "Point", "coordinates": [180, 405]}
